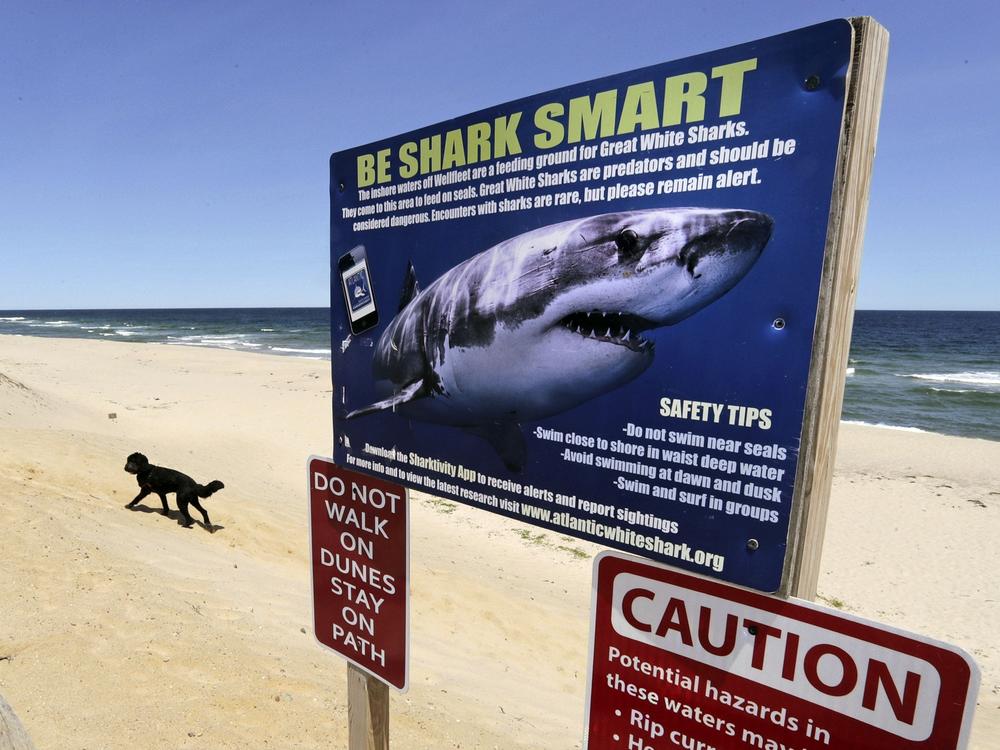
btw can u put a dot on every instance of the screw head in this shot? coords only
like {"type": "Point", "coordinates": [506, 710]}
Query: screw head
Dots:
{"type": "Point", "coordinates": [752, 544]}
{"type": "Point", "coordinates": [778, 324]}
{"type": "Point", "coordinates": [812, 82]}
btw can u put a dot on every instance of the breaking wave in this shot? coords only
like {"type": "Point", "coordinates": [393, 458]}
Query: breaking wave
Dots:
{"type": "Point", "coordinates": [983, 378]}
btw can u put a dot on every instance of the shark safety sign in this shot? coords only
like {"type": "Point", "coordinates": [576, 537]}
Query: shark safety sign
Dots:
{"type": "Point", "coordinates": [592, 309]}
{"type": "Point", "coordinates": [682, 662]}
{"type": "Point", "coordinates": [360, 538]}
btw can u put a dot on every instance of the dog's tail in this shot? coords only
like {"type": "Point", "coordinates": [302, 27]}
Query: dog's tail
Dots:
{"type": "Point", "coordinates": [210, 488]}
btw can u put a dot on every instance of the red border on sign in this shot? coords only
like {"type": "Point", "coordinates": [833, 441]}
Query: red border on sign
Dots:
{"type": "Point", "coordinates": [396, 672]}
{"type": "Point", "coordinates": [955, 700]}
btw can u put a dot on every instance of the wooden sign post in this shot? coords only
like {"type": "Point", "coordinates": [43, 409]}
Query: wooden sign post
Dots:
{"type": "Point", "coordinates": [712, 207]}
{"type": "Point", "coordinates": [835, 315]}
{"type": "Point", "coordinates": [725, 476]}
{"type": "Point", "coordinates": [367, 711]}
{"type": "Point", "coordinates": [359, 530]}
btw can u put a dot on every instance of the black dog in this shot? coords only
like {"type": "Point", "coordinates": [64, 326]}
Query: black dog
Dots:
{"type": "Point", "coordinates": [161, 481]}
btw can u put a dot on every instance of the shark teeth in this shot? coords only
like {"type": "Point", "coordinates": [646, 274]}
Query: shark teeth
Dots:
{"type": "Point", "coordinates": [615, 328]}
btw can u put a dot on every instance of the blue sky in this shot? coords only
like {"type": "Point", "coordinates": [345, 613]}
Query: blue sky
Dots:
{"type": "Point", "coordinates": [175, 154]}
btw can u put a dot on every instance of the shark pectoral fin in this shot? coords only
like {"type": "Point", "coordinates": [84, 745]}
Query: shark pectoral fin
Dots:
{"type": "Point", "coordinates": [410, 392]}
{"type": "Point", "coordinates": [507, 440]}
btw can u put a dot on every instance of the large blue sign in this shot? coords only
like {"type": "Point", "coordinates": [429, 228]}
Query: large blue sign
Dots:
{"type": "Point", "coordinates": [594, 307]}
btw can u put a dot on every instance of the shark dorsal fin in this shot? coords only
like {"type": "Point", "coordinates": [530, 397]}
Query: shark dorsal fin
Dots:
{"type": "Point", "coordinates": [411, 287]}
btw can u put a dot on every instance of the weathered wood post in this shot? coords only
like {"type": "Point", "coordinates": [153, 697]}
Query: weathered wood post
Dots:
{"type": "Point", "coordinates": [367, 711]}
{"type": "Point", "coordinates": [825, 397]}
{"type": "Point", "coordinates": [361, 563]}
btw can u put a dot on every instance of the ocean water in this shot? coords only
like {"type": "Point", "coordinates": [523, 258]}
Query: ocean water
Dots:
{"type": "Point", "coordinates": [296, 331]}
{"type": "Point", "coordinates": [931, 371]}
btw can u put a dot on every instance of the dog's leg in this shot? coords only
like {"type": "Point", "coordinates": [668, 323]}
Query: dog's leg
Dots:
{"type": "Point", "coordinates": [142, 493]}
{"type": "Point", "coordinates": [163, 499]}
{"type": "Point", "coordinates": [204, 514]}
{"type": "Point", "coordinates": [182, 505]}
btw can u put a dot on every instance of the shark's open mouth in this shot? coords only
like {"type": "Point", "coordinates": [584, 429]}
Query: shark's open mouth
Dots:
{"type": "Point", "coordinates": [615, 328]}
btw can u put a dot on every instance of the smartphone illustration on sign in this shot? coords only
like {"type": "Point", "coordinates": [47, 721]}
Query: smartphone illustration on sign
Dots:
{"type": "Point", "coordinates": [358, 293]}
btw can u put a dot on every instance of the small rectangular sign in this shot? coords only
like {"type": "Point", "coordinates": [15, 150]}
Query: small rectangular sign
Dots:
{"type": "Point", "coordinates": [360, 540]}
{"type": "Point", "coordinates": [680, 661]}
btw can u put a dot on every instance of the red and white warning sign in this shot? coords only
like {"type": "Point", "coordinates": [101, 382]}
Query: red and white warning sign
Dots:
{"type": "Point", "coordinates": [360, 538]}
{"type": "Point", "coordinates": [683, 662]}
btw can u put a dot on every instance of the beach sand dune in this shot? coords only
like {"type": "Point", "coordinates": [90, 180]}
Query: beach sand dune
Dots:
{"type": "Point", "coordinates": [121, 629]}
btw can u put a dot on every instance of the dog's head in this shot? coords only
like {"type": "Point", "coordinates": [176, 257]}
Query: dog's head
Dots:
{"type": "Point", "coordinates": [136, 463]}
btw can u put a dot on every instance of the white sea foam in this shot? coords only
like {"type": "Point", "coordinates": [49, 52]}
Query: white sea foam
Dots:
{"type": "Point", "coordinates": [990, 378]}
{"type": "Point", "coordinates": [211, 338]}
{"type": "Point", "coordinates": [220, 336]}
{"type": "Point", "coordinates": [214, 342]}
{"type": "Point", "coordinates": [206, 345]}
{"type": "Point", "coordinates": [15, 319]}
{"type": "Point", "coordinates": [217, 343]}
{"type": "Point", "coordinates": [850, 371]}
{"type": "Point", "coordinates": [299, 351]}
{"type": "Point", "coordinates": [55, 324]}
{"type": "Point", "coordinates": [881, 425]}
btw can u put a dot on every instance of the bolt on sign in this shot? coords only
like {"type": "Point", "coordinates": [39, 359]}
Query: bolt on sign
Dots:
{"type": "Point", "coordinates": [360, 540]}
{"type": "Point", "coordinates": [594, 309]}
{"type": "Point", "coordinates": [683, 662]}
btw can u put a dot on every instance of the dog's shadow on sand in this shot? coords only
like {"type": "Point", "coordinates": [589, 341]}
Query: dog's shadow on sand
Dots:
{"type": "Point", "coordinates": [176, 515]}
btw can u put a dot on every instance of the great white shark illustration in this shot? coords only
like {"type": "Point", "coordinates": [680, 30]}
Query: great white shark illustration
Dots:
{"type": "Point", "coordinates": [554, 317]}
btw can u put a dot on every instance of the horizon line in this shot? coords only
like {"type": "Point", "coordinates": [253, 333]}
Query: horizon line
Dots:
{"type": "Point", "coordinates": [327, 307]}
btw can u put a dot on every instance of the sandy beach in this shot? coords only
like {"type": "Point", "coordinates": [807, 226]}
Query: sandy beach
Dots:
{"type": "Point", "coordinates": [121, 629]}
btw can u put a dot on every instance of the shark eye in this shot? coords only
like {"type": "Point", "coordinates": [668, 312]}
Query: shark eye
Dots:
{"type": "Point", "coordinates": [627, 242]}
